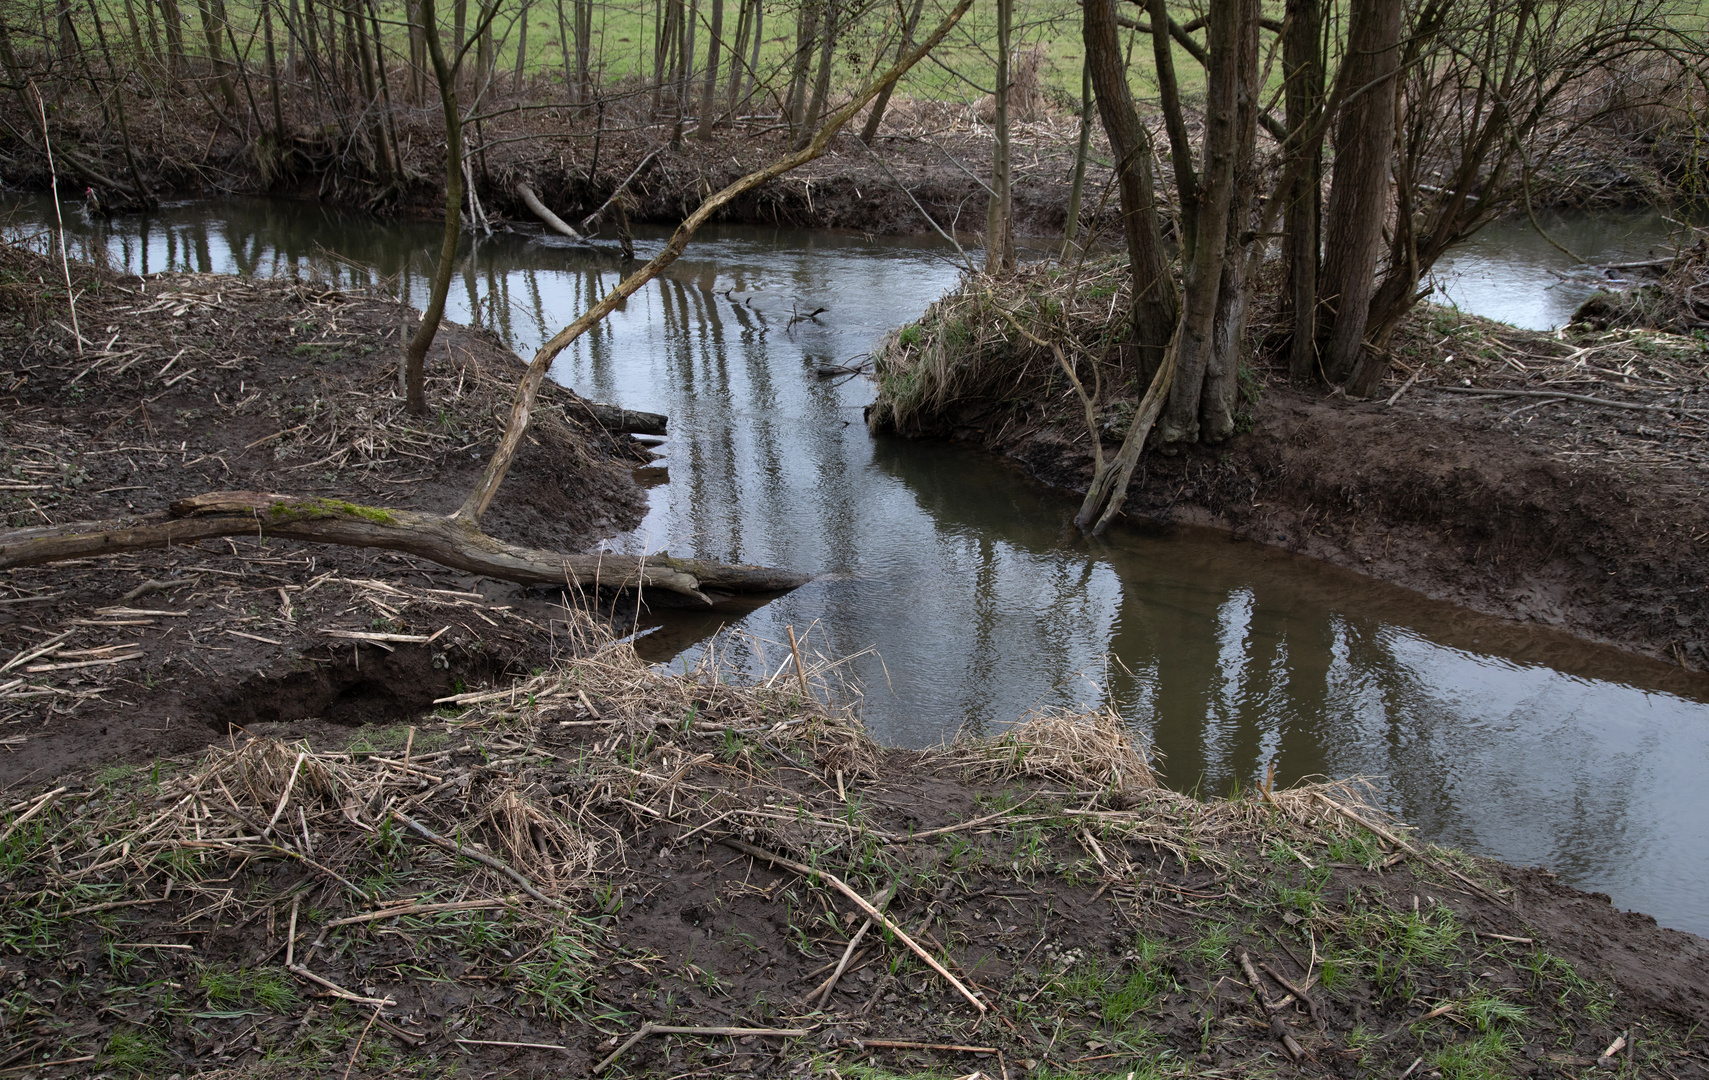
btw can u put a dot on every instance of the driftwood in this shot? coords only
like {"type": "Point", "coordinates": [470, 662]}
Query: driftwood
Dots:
{"type": "Point", "coordinates": [444, 540]}
{"type": "Point", "coordinates": [552, 221]}
{"type": "Point", "coordinates": [624, 421]}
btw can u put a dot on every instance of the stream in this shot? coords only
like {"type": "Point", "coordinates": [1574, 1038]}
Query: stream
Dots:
{"type": "Point", "coordinates": [962, 597]}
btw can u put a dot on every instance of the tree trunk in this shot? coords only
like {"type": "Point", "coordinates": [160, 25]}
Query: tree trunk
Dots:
{"type": "Point", "coordinates": [272, 71]}
{"type": "Point", "coordinates": [1208, 239]}
{"type": "Point", "coordinates": [1303, 71]}
{"type": "Point", "coordinates": [827, 67]}
{"type": "Point", "coordinates": [1154, 307]}
{"type": "Point", "coordinates": [738, 51]}
{"type": "Point", "coordinates": [445, 75]}
{"type": "Point", "coordinates": [806, 33]}
{"type": "Point", "coordinates": [709, 91]}
{"type": "Point", "coordinates": [214, 31]}
{"type": "Point", "coordinates": [174, 27]}
{"type": "Point", "coordinates": [1359, 190]}
{"type": "Point", "coordinates": [1228, 335]}
{"type": "Point", "coordinates": [999, 218]}
{"type": "Point", "coordinates": [521, 47]}
{"type": "Point", "coordinates": [584, 50]}
{"type": "Point", "coordinates": [876, 116]}
{"type": "Point", "coordinates": [1077, 192]}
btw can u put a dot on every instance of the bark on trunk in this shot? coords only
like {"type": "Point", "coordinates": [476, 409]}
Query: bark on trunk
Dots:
{"type": "Point", "coordinates": [1154, 305]}
{"type": "Point", "coordinates": [1358, 195]}
{"type": "Point", "coordinates": [709, 90]}
{"type": "Point", "coordinates": [1303, 69]}
{"type": "Point", "coordinates": [999, 220]}
{"type": "Point", "coordinates": [1208, 239]}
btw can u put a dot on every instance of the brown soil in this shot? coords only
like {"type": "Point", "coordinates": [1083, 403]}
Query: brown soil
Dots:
{"type": "Point", "coordinates": [194, 384]}
{"type": "Point", "coordinates": [1590, 519]}
{"type": "Point", "coordinates": [1102, 924]}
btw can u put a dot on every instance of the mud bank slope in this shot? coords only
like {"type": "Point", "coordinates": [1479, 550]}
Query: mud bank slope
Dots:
{"type": "Point", "coordinates": [189, 384]}
{"type": "Point", "coordinates": [1509, 476]}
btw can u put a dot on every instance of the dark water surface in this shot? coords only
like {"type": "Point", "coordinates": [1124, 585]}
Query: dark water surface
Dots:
{"type": "Point", "coordinates": [975, 599]}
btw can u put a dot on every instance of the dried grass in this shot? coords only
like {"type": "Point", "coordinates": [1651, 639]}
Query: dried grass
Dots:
{"type": "Point", "coordinates": [1090, 748]}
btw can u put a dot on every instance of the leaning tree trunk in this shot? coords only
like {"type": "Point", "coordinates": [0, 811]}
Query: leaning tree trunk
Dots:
{"type": "Point", "coordinates": [1214, 201]}
{"type": "Point", "coordinates": [999, 218]}
{"type": "Point", "coordinates": [1303, 71]}
{"type": "Point", "coordinates": [876, 116]}
{"type": "Point", "coordinates": [445, 75]}
{"type": "Point", "coordinates": [1154, 307]}
{"type": "Point", "coordinates": [1359, 190]}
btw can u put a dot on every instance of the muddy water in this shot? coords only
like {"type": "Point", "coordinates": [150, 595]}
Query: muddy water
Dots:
{"type": "Point", "coordinates": [977, 601]}
{"type": "Point", "coordinates": [1512, 272]}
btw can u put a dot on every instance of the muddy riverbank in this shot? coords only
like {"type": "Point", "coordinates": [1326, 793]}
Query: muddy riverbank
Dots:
{"type": "Point", "coordinates": [188, 384]}
{"type": "Point", "coordinates": [1548, 478]}
{"type": "Point", "coordinates": [231, 777]}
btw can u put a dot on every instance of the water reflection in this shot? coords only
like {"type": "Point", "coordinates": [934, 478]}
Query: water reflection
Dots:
{"type": "Point", "coordinates": [1511, 272]}
{"type": "Point", "coordinates": [978, 595]}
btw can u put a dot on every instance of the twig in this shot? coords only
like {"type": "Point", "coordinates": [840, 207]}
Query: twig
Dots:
{"type": "Point", "coordinates": [484, 860]}
{"type": "Point", "coordinates": [41, 804]}
{"type": "Point", "coordinates": [731, 1032]}
{"type": "Point", "coordinates": [905, 1044]}
{"type": "Point", "coordinates": [59, 217]}
{"type": "Point", "coordinates": [284, 796]}
{"type": "Point", "coordinates": [360, 1039]}
{"type": "Point", "coordinates": [1298, 992]}
{"type": "Point", "coordinates": [519, 1045]}
{"type": "Point", "coordinates": [419, 909]}
{"type": "Point", "coordinates": [823, 992]}
{"type": "Point", "coordinates": [800, 672]}
{"type": "Point", "coordinates": [1564, 396]}
{"type": "Point", "coordinates": [860, 902]}
{"type": "Point", "coordinates": [1406, 847]}
{"type": "Point", "coordinates": [1278, 1026]}
{"type": "Point", "coordinates": [336, 990]}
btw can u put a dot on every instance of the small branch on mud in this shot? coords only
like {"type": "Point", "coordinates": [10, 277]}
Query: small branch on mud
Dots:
{"type": "Point", "coordinates": [1278, 1026]}
{"type": "Point", "coordinates": [717, 1032]}
{"type": "Point", "coordinates": [860, 902]}
{"type": "Point", "coordinates": [485, 860]}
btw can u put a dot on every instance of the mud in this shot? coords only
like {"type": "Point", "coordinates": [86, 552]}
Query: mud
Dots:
{"type": "Point", "coordinates": [192, 384]}
{"type": "Point", "coordinates": [1580, 518]}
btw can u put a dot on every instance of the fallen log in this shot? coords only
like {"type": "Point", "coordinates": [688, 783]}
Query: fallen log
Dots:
{"type": "Point", "coordinates": [447, 541]}
{"type": "Point", "coordinates": [625, 421]}
{"type": "Point", "coordinates": [553, 221]}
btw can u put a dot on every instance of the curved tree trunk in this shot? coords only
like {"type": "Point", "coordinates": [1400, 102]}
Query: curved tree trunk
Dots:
{"type": "Point", "coordinates": [1154, 306]}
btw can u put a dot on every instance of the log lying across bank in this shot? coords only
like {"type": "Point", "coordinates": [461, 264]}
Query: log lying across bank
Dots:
{"type": "Point", "coordinates": [444, 540]}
